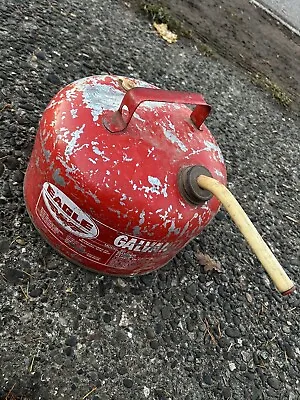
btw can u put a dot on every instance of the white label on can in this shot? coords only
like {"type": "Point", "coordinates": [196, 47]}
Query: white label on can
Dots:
{"type": "Point", "coordinates": [67, 213]}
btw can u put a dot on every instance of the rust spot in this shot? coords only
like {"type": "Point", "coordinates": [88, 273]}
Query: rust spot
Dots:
{"type": "Point", "coordinates": [126, 84]}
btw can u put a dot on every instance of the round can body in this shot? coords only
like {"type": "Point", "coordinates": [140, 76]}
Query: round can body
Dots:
{"type": "Point", "coordinates": [109, 201]}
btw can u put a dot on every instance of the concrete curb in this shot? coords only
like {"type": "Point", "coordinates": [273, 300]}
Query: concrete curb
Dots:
{"type": "Point", "coordinates": [276, 16]}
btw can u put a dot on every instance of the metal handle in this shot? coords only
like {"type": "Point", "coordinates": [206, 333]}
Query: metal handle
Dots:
{"type": "Point", "coordinates": [134, 97]}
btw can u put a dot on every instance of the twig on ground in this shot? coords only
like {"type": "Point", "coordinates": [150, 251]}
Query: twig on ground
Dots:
{"type": "Point", "coordinates": [219, 331]}
{"type": "Point", "coordinates": [7, 105]}
{"type": "Point", "coordinates": [26, 273]}
{"type": "Point", "coordinates": [207, 330]}
{"type": "Point", "coordinates": [3, 276]}
{"type": "Point", "coordinates": [31, 364]}
{"type": "Point", "coordinates": [9, 393]}
{"type": "Point", "coordinates": [297, 221]}
{"type": "Point", "coordinates": [90, 392]}
{"type": "Point", "coordinates": [24, 293]}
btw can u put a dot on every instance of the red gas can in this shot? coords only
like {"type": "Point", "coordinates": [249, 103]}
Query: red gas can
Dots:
{"type": "Point", "coordinates": [109, 183]}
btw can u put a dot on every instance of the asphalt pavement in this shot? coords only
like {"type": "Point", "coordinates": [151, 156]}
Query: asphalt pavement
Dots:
{"type": "Point", "coordinates": [178, 333]}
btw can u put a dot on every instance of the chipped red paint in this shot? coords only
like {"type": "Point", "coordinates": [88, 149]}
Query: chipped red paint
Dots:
{"type": "Point", "coordinates": [110, 201]}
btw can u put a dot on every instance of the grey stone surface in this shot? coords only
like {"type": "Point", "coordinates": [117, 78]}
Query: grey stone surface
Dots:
{"type": "Point", "coordinates": [288, 10]}
{"type": "Point", "coordinates": [185, 329]}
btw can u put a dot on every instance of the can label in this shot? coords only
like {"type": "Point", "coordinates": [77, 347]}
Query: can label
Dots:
{"type": "Point", "coordinates": [84, 239]}
{"type": "Point", "coordinates": [67, 213]}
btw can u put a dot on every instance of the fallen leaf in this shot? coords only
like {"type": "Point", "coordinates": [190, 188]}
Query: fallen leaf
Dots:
{"type": "Point", "coordinates": [208, 263]}
{"type": "Point", "coordinates": [164, 32]}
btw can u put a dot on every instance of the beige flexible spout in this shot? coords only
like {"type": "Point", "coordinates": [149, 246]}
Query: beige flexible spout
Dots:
{"type": "Point", "coordinates": [255, 241]}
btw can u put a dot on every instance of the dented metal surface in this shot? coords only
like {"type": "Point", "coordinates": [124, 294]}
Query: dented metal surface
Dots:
{"type": "Point", "coordinates": [111, 202]}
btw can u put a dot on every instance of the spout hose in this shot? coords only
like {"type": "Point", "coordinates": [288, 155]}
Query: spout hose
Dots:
{"type": "Point", "coordinates": [275, 271]}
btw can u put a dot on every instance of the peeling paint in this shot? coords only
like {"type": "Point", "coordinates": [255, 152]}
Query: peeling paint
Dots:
{"type": "Point", "coordinates": [63, 134]}
{"type": "Point", "coordinates": [156, 184]}
{"type": "Point", "coordinates": [79, 188]}
{"type": "Point", "coordinates": [37, 162]}
{"type": "Point", "coordinates": [54, 103]}
{"type": "Point", "coordinates": [74, 112]}
{"type": "Point", "coordinates": [91, 194]}
{"type": "Point", "coordinates": [164, 216]}
{"type": "Point", "coordinates": [58, 178]}
{"type": "Point", "coordinates": [86, 145]}
{"type": "Point", "coordinates": [205, 207]}
{"type": "Point", "coordinates": [174, 139]}
{"type": "Point", "coordinates": [153, 105]}
{"type": "Point", "coordinates": [182, 203]}
{"type": "Point", "coordinates": [126, 158]}
{"type": "Point", "coordinates": [164, 189]}
{"type": "Point", "coordinates": [99, 98]}
{"type": "Point", "coordinates": [136, 230]}
{"type": "Point", "coordinates": [69, 169]}
{"type": "Point", "coordinates": [212, 147]}
{"type": "Point", "coordinates": [173, 229]}
{"type": "Point", "coordinates": [44, 137]}
{"type": "Point", "coordinates": [185, 228]}
{"type": "Point", "coordinates": [218, 173]}
{"type": "Point", "coordinates": [142, 217]}
{"type": "Point", "coordinates": [71, 93]}
{"type": "Point", "coordinates": [47, 154]}
{"type": "Point", "coordinates": [124, 197]}
{"type": "Point", "coordinates": [150, 151]}
{"type": "Point", "coordinates": [156, 187]}
{"type": "Point", "coordinates": [72, 143]}
{"type": "Point", "coordinates": [118, 212]}
{"type": "Point", "coordinates": [101, 153]}
{"type": "Point", "coordinates": [139, 118]}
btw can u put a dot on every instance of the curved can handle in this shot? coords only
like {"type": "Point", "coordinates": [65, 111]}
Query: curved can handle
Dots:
{"type": "Point", "coordinates": [134, 97]}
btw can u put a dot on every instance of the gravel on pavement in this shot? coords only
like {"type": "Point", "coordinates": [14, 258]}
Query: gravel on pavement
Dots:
{"type": "Point", "coordinates": [178, 333]}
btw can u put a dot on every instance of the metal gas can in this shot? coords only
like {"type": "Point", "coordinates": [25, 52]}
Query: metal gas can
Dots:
{"type": "Point", "coordinates": [109, 185]}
